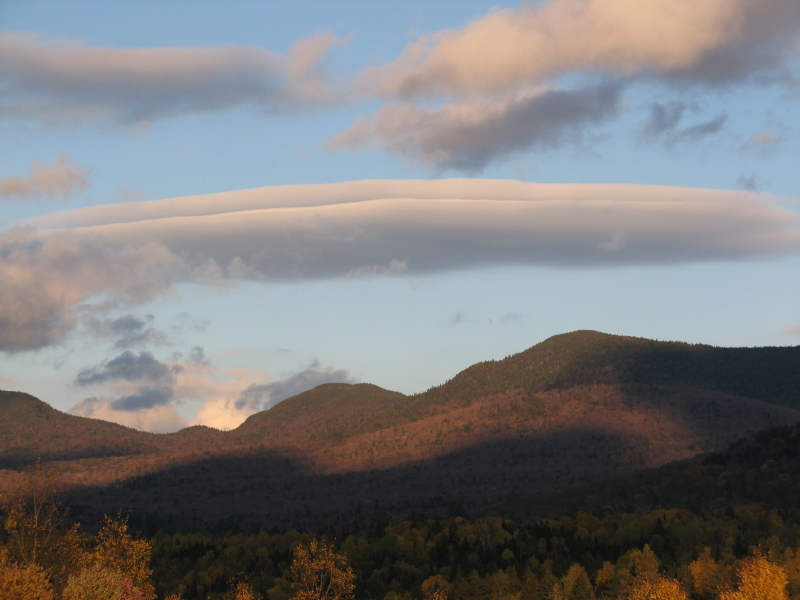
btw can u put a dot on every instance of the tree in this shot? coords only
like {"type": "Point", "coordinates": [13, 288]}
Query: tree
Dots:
{"type": "Point", "coordinates": [576, 584]}
{"type": "Point", "coordinates": [22, 582]}
{"type": "Point", "coordinates": [118, 552]}
{"type": "Point", "coordinates": [34, 521]}
{"type": "Point", "coordinates": [658, 589]}
{"type": "Point", "coordinates": [759, 579]}
{"type": "Point", "coordinates": [319, 573]}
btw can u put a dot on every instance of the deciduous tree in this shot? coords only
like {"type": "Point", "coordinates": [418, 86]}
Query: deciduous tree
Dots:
{"type": "Point", "coordinates": [320, 573]}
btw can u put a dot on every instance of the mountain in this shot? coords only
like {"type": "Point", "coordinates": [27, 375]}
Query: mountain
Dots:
{"type": "Point", "coordinates": [572, 412]}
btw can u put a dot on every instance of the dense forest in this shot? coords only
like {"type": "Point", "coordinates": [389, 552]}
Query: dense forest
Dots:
{"type": "Point", "coordinates": [732, 553]}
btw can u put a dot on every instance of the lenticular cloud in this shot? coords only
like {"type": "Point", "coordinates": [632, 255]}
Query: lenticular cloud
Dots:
{"type": "Point", "coordinates": [332, 230]}
{"type": "Point", "coordinates": [77, 262]}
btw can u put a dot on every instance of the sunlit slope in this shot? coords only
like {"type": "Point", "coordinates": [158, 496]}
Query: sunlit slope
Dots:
{"type": "Point", "coordinates": [329, 411]}
{"type": "Point", "coordinates": [30, 428]}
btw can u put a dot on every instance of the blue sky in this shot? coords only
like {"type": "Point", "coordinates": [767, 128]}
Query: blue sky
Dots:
{"type": "Point", "coordinates": [431, 185]}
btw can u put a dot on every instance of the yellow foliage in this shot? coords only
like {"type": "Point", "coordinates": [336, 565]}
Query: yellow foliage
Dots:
{"type": "Point", "coordinates": [319, 573]}
{"type": "Point", "coordinates": [117, 551]}
{"type": "Point", "coordinates": [706, 575]}
{"type": "Point", "coordinates": [435, 588]}
{"type": "Point", "coordinates": [658, 589]}
{"type": "Point", "coordinates": [759, 579]}
{"type": "Point", "coordinates": [94, 583]}
{"type": "Point", "coordinates": [240, 591]}
{"type": "Point", "coordinates": [22, 582]}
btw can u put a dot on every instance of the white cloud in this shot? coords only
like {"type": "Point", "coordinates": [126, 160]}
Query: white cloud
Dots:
{"type": "Point", "coordinates": [131, 252]}
{"type": "Point", "coordinates": [713, 41]}
{"type": "Point", "coordinates": [59, 81]}
{"type": "Point", "coordinates": [48, 282]}
{"type": "Point", "coordinates": [161, 418]}
{"type": "Point", "coordinates": [60, 180]}
{"type": "Point", "coordinates": [578, 56]}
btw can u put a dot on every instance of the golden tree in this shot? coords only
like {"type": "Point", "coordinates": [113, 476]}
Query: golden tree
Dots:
{"type": "Point", "coordinates": [658, 589]}
{"type": "Point", "coordinates": [759, 579]}
{"type": "Point", "coordinates": [320, 573]}
{"type": "Point", "coordinates": [34, 521]}
{"type": "Point", "coordinates": [240, 591]}
{"type": "Point", "coordinates": [118, 552]}
{"type": "Point", "coordinates": [435, 588]}
{"type": "Point", "coordinates": [33, 517]}
{"type": "Point", "coordinates": [22, 582]}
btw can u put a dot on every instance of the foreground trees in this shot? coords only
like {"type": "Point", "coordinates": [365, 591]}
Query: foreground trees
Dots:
{"type": "Point", "coordinates": [747, 554]}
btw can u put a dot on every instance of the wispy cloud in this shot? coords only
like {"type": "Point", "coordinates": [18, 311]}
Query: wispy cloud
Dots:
{"type": "Point", "coordinates": [61, 179]}
{"type": "Point", "coordinates": [58, 81]}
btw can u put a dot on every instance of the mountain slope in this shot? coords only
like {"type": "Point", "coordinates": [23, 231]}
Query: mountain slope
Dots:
{"type": "Point", "coordinates": [30, 428]}
{"type": "Point", "coordinates": [576, 410]}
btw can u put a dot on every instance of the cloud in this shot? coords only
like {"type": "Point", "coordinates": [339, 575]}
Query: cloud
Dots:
{"type": "Point", "coordinates": [663, 125]}
{"type": "Point", "coordinates": [126, 254]}
{"type": "Point", "coordinates": [130, 330]}
{"type": "Point", "coordinates": [327, 230]}
{"type": "Point", "coordinates": [793, 330]}
{"type": "Point", "coordinates": [265, 396]}
{"type": "Point", "coordinates": [157, 418]}
{"type": "Point", "coordinates": [715, 41]}
{"type": "Point", "coordinates": [130, 367]}
{"type": "Point", "coordinates": [749, 183]}
{"type": "Point", "coordinates": [468, 136]}
{"type": "Point", "coordinates": [457, 318]}
{"type": "Point", "coordinates": [48, 284]}
{"type": "Point", "coordinates": [762, 141]}
{"type": "Point", "coordinates": [395, 266]}
{"type": "Point", "coordinates": [58, 180]}
{"type": "Point", "coordinates": [57, 81]}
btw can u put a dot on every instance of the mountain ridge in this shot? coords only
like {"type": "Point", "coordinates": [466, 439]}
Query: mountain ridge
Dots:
{"type": "Point", "coordinates": [574, 410]}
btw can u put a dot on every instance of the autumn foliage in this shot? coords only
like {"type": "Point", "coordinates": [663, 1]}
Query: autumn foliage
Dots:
{"type": "Point", "coordinates": [319, 573]}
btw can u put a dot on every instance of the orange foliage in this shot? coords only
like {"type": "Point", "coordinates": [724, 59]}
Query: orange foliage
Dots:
{"type": "Point", "coordinates": [319, 573]}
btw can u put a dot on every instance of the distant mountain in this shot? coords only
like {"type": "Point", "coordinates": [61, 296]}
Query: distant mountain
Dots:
{"type": "Point", "coordinates": [570, 413]}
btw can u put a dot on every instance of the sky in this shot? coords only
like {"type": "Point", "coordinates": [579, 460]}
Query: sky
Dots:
{"type": "Point", "coordinates": [206, 208]}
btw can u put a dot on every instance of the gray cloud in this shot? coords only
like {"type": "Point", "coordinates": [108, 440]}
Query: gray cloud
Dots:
{"type": "Point", "coordinates": [67, 81]}
{"type": "Point", "coordinates": [129, 367]}
{"type": "Point", "coordinates": [663, 119]}
{"type": "Point", "coordinates": [198, 356]}
{"type": "Point", "coordinates": [469, 136]}
{"type": "Point", "coordinates": [59, 180]}
{"type": "Point", "coordinates": [130, 330]}
{"type": "Point", "coordinates": [457, 318]}
{"type": "Point", "coordinates": [145, 397]}
{"type": "Point", "coordinates": [749, 183]}
{"type": "Point", "coordinates": [261, 397]}
{"type": "Point", "coordinates": [663, 125]}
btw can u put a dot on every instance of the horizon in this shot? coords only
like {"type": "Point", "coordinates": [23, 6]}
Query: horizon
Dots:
{"type": "Point", "coordinates": [200, 217]}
